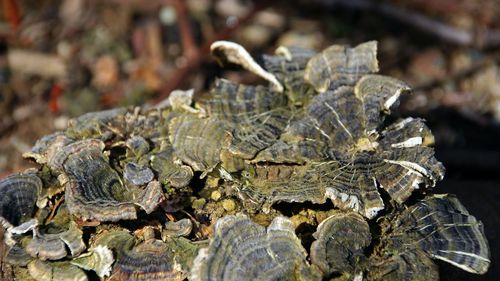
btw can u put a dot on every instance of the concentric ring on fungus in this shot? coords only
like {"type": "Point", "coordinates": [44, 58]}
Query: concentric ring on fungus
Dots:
{"type": "Point", "coordinates": [150, 260]}
{"type": "Point", "coordinates": [54, 246]}
{"type": "Point", "coordinates": [341, 154]}
{"type": "Point", "coordinates": [94, 190]}
{"type": "Point", "coordinates": [441, 227]}
{"type": "Point", "coordinates": [340, 243]}
{"type": "Point", "coordinates": [243, 250]}
{"type": "Point", "coordinates": [19, 194]}
{"type": "Point", "coordinates": [18, 201]}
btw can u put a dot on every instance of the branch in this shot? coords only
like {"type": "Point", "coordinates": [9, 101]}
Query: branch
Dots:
{"type": "Point", "coordinates": [203, 51]}
{"type": "Point", "coordinates": [188, 46]}
{"type": "Point", "coordinates": [481, 38]}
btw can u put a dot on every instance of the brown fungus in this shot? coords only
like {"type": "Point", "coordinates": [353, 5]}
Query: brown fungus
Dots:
{"type": "Point", "coordinates": [346, 158]}
{"type": "Point", "coordinates": [98, 259]}
{"type": "Point", "coordinates": [288, 65]}
{"type": "Point", "coordinates": [339, 65]}
{"type": "Point", "coordinates": [18, 196]}
{"type": "Point", "coordinates": [137, 174]}
{"type": "Point", "coordinates": [340, 243]}
{"type": "Point", "coordinates": [50, 243]}
{"type": "Point", "coordinates": [243, 250]}
{"type": "Point", "coordinates": [437, 227]}
{"type": "Point", "coordinates": [150, 260]}
{"type": "Point", "coordinates": [60, 271]}
{"type": "Point", "coordinates": [94, 190]}
{"type": "Point", "coordinates": [169, 170]}
{"type": "Point", "coordinates": [256, 115]}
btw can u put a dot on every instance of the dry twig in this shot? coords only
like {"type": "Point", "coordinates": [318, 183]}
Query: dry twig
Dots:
{"type": "Point", "coordinates": [483, 38]}
{"type": "Point", "coordinates": [203, 51]}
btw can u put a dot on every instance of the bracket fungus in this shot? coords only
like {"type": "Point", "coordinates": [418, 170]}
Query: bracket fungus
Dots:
{"type": "Point", "coordinates": [340, 65]}
{"type": "Point", "coordinates": [137, 174]}
{"type": "Point", "coordinates": [312, 145]}
{"type": "Point", "coordinates": [47, 245]}
{"type": "Point", "coordinates": [169, 170]}
{"type": "Point", "coordinates": [235, 53]}
{"type": "Point", "coordinates": [20, 193]}
{"type": "Point", "coordinates": [255, 117]}
{"type": "Point", "coordinates": [63, 271]}
{"type": "Point", "coordinates": [243, 250]}
{"type": "Point", "coordinates": [440, 227]}
{"type": "Point", "coordinates": [340, 243]}
{"type": "Point", "coordinates": [18, 197]}
{"type": "Point", "coordinates": [16, 254]}
{"type": "Point", "coordinates": [150, 260]}
{"type": "Point", "coordinates": [182, 227]}
{"type": "Point", "coordinates": [99, 259]}
{"type": "Point", "coordinates": [94, 190]}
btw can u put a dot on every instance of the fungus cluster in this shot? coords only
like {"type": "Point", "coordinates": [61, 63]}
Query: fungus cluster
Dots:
{"type": "Point", "coordinates": [301, 179]}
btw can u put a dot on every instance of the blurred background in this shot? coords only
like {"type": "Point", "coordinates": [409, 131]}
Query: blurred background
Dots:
{"type": "Point", "coordinates": [60, 59]}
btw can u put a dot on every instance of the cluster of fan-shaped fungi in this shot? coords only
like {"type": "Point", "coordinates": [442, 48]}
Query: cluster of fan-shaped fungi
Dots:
{"type": "Point", "coordinates": [303, 179]}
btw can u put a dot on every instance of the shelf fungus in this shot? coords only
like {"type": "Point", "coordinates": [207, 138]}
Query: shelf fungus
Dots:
{"type": "Point", "coordinates": [96, 124]}
{"type": "Point", "coordinates": [234, 53]}
{"type": "Point", "coordinates": [340, 243]}
{"type": "Point", "coordinates": [18, 197]}
{"type": "Point", "coordinates": [182, 227]}
{"type": "Point", "coordinates": [346, 158]}
{"type": "Point", "coordinates": [255, 117]}
{"type": "Point", "coordinates": [117, 240]}
{"type": "Point", "coordinates": [94, 190]}
{"type": "Point", "coordinates": [99, 259]}
{"type": "Point", "coordinates": [137, 174]}
{"type": "Point", "coordinates": [19, 194]}
{"type": "Point", "coordinates": [61, 271]}
{"type": "Point", "coordinates": [243, 250]}
{"type": "Point", "coordinates": [437, 227]}
{"type": "Point", "coordinates": [339, 65]}
{"type": "Point", "coordinates": [16, 254]}
{"type": "Point", "coordinates": [138, 146]}
{"type": "Point", "coordinates": [150, 260]}
{"type": "Point", "coordinates": [170, 170]}
{"type": "Point", "coordinates": [288, 65]}
{"type": "Point", "coordinates": [51, 243]}
{"type": "Point", "coordinates": [408, 265]}
{"type": "Point", "coordinates": [157, 193]}
{"type": "Point", "coordinates": [198, 142]}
